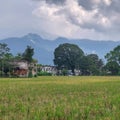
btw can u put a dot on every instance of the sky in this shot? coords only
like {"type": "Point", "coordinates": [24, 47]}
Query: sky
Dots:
{"type": "Point", "coordinates": [78, 19]}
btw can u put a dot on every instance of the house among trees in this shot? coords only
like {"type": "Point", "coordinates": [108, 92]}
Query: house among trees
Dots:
{"type": "Point", "coordinates": [69, 59]}
{"type": "Point", "coordinates": [24, 69]}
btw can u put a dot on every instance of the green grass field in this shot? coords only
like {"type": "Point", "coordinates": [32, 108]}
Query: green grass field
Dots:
{"type": "Point", "coordinates": [60, 98]}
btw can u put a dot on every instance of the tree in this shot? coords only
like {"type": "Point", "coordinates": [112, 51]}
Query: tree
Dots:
{"type": "Point", "coordinates": [8, 58]}
{"type": "Point", "coordinates": [19, 56]}
{"type": "Point", "coordinates": [96, 64]}
{"type": "Point", "coordinates": [113, 61]}
{"type": "Point", "coordinates": [85, 64]}
{"type": "Point", "coordinates": [28, 54]}
{"type": "Point", "coordinates": [114, 55]}
{"type": "Point", "coordinates": [4, 59]}
{"type": "Point", "coordinates": [91, 65]}
{"type": "Point", "coordinates": [112, 67]}
{"type": "Point", "coordinates": [67, 56]}
{"type": "Point", "coordinates": [3, 50]}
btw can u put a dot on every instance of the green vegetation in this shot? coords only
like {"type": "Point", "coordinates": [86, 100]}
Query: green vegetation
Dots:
{"type": "Point", "coordinates": [68, 56]}
{"type": "Point", "coordinates": [28, 54]}
{"type": "Point", "coordinates": [60, 98]}
{"type": "Point", "coordinates": [113, 61]}
{"type": "Point", "coordinates": [41, 73]}
{"type": "Point", "coordinates": [6, 59]}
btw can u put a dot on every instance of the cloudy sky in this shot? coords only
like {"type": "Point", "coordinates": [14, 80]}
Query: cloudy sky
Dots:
{"type": "Point", "coordinates": [92, 19]}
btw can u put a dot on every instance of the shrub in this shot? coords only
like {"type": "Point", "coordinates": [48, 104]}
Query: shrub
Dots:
{"type": "Point", "coordinates": [44, 74]}
{"type": "Point", "coordinates": [35, 75]}
{"type": "Point", "coordinates": [30, 74]}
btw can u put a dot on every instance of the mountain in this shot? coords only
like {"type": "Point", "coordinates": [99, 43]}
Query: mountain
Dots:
{"type": "Point", "coordinates": [44, 49]}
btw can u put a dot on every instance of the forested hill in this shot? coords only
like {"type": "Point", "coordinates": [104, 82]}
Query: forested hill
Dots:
{"type": "Point", "coordinates": [44, 49]}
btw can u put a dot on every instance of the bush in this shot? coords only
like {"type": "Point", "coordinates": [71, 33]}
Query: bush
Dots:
{"type": "Point", "coordinates": [1, 73]}
{"type": "Point", "coordinates": [35, 75]}
{"type": "Point", "coordinates": [44, 74]}
{"type": "Point", "coordinates": [119, 72]}
{"type": "Point", "coordinates": [64, 72]}
{"type": "Point", "coordinates": [30, 74]}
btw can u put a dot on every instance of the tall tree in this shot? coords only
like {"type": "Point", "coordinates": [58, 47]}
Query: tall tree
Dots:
{"type": "Point", "coordinates": [5, 58]}
{"type": "Point", "coordinates": [4, 49]}
{"type": "Point", "coordinates": [96, 64]}
{"type": "Point", "coordinates": [68, 56]}
{"type": "Point", "coordinates": [112, 67]}
{"type": "Point", "coordinates": [28, 54]}
{"type": "Point", "coordinates": [114, 55]}
{"type": "Point", "coordinates": [8, 58]}
{"type": "Point", "coordinates": [91, 65]}
{"type": "Point", "coordinates": [85, 65]}
{"type": "Point", "coordinates": [113, 61]}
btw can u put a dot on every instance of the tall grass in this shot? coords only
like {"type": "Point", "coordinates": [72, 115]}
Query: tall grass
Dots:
{"type": "Point", "coordinates": [60, 98]}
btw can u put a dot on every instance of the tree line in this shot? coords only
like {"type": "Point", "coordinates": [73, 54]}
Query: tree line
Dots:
{"type": "Point", "coordinates": [70, 57]}
{"type": "Point", "coordinates": [66, 57]}
{"type": "Point", "coordinates": [6, 58]}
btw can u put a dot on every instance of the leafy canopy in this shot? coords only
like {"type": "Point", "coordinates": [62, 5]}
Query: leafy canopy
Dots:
{"type": "Point", "coordinates": [114, 55]}
{"type": "Point", "coordinates": [67, 56]}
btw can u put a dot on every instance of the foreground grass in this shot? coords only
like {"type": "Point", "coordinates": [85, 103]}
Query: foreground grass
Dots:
{"type": "Point", "coordinates": [60, 98]}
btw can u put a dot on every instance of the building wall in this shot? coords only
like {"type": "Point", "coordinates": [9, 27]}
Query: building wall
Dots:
{"type": "Point", "coordinates": [49, 69]}
{"type": "Point", "coordinates": [22, 68]}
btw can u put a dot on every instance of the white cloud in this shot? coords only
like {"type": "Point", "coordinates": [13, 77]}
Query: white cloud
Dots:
{"type": "Point", "coordinates": [52, 22]}
{"type": "Point", "coordinates": [107, 2]}
{"type": "Point", "coordinates": [72, 20]}
{"type": "Point", "coordinates": [92, 19]}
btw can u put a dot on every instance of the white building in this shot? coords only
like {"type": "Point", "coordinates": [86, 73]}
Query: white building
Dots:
{"type": "Point", "coordinates": [49, 69]}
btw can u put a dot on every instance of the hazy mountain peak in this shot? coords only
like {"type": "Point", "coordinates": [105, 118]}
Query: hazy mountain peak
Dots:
{"type": "Point", "coordinates": [32, 36]}
{"type": "Point", "coordinates": [44, 49]}
{"type": "Point", "coordinates": [61, 38]}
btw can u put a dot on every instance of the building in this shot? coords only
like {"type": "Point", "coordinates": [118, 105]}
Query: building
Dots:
{"type": "Point", "coordinates": [23, 68]}
{"type": "Point", "coordinates": [49, 69]}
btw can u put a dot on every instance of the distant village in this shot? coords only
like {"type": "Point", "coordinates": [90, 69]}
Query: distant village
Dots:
{"type": "Point", "coordinates": [23, 68]}
{"type": "Point", "coordinates": [69, 60]}
{"type": "Point", "coordinates": [23, 65]}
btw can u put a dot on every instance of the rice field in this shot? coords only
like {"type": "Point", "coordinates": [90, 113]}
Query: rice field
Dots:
{"type": "Point", "coordinates": [60, 98]}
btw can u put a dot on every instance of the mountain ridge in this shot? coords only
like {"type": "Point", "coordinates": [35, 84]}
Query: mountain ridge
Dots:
{"type": "Point", "coordinates": [44, 48]}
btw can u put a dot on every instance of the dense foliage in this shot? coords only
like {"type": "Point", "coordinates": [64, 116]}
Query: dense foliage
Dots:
{"type": "Point", "coordinates": [68, 56]}
{"type": "Point", "coordinates": [6, 58]}
{"type": "Point", "coordinates": [71, 57]}
{"type": "Point", "coordinates": [28, 54]}
{"type": "Point", "coordinates": [91, 65]}
{"type": "Point", "coordinates": [113, 61]}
